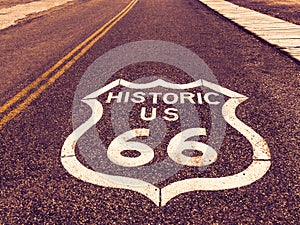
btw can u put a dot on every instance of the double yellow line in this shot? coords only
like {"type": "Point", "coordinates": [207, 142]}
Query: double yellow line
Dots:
{"type": "Point", "coordinates": [50, 76]}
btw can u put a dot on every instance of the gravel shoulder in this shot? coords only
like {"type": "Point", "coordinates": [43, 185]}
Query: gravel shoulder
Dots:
{"type": "Point", "coordinates": [284, 9]}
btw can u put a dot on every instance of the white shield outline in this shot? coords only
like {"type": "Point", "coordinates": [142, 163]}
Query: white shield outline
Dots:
{"type": "Point", "coordinates": [257, 169]}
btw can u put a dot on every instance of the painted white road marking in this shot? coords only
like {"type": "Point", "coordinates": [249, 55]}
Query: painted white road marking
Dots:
{"type": "Point", "coordinates": [179, 143]}
{"type": "Point", "coordinates": [277, 32]}
{"type": "Point", "coordinates": [10, 16]}
{"type": "Point", "coordinates": [175, 149]}
{"type": "Point", "coordinates": [167, 98]}
{"type": "Point", "coordinates": [122, 143]}
{"type": "Point", "coordinates": [259, 166]}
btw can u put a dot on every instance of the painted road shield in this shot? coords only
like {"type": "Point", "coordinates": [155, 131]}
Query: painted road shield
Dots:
{"type": "Point", "coordinates": [161, 195]}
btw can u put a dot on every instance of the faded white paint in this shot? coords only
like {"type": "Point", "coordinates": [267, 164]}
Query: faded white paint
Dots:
{"type": "Point", "coordinates": [259, 166]}
{"type": "Point", "coordinates": [179, 143]}
{"type": "Point", "coordinates": [168, 98]}
{"type": "Point", "coordinates": [10, 16]}
{"type": "Point", "coordinates": [122, 143]}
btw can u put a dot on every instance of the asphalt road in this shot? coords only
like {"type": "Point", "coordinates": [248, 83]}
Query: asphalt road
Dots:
{"type": "Point", "coordinates": [37, 189]}
{"type": "Point", "coordinates": [34, 45]}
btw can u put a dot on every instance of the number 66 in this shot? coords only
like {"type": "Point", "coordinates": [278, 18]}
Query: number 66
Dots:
{"type": "Point", "coordinates": [175, 149]}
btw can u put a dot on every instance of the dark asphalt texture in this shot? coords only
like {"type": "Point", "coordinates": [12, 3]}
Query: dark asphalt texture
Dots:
{"type": "Point", "coordinates": [32, 46]}
{"type": "Point", "coordinates": [36, 189]}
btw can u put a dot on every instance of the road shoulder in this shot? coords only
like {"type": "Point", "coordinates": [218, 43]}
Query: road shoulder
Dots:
{"type": "Point", "coordinates": [282, 34]}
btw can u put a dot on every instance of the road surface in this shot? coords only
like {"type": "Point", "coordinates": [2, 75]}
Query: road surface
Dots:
{"type": "Point", "coordinates": [42, 81]}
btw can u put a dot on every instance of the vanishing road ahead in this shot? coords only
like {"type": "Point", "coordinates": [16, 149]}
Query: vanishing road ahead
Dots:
{"type": "Point", "coordinates": [146, 112]}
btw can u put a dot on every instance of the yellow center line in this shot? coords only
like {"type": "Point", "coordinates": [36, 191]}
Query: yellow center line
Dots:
{"type": "Point", "coordinates": [35, 83]}
{"type": "Point", "coordinates": [84, 46]}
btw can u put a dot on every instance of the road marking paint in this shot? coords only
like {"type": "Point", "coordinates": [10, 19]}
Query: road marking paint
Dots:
{"type": "Point", "coordinates": [254, 172]}
{"type": "Point", "coordinates": [74, 167]}
{"type": "Point", "coordinates": [223, 90]}
{"type": "Point", "coordinates": [260, 147]}
{"type": "Point", "coordinates": [35, 83]}
{"type": "Point", "coordinates": [262, 25]}
{"type": "Point", "coordinates": [160, 196]}
{"type": "Point", "coordinates": [69, 58]}
{"type": "Point", "coordinates": [160, 83]}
